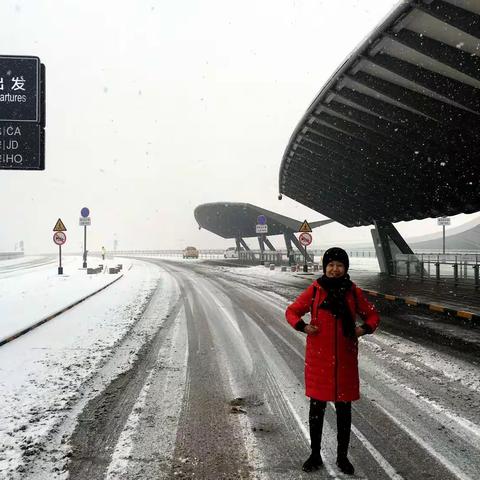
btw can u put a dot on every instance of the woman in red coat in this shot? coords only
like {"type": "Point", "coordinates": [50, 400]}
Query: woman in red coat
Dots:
{"type": "Point", "coordinates": [331, 367]}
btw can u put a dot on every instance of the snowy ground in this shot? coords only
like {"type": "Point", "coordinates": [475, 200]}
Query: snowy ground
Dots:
{"type": "Point", "coordinates": [31, 289]}
{"type": "Point", "coordinates": [134, 369]}
{"type": "Point", "coordinates": [42, 372]}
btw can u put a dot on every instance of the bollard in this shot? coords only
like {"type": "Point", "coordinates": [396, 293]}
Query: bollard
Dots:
{"type": "Point", "coordinates": [421, 270]}
{"type": "Point", "coordinates": [437, 271]}
{"type": "Point", "coordinates": [272, 266]}
{"type": "Point", "coordinates": [315, 267]}
{"type": "Point", "coordinates": [293, 268]}
{"type": "Point", "coordinates": [284, 269]}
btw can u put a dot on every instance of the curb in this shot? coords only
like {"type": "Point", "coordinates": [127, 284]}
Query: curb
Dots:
{"type": "Point", "coordinates": [433, 307]}
{"type": "Point", "coordinates": [53, 315]}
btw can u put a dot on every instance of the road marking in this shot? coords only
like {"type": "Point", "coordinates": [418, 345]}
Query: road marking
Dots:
{"type": "Point", "coordinates": [446, 463]}
{"type": "Point", "coordinates": [381, 460]}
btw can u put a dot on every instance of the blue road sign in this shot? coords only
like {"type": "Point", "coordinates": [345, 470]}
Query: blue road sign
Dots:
{"type": "Point", "coordinates": [261, 220]}
{"type": "Point", "coordinates": [84, 212]}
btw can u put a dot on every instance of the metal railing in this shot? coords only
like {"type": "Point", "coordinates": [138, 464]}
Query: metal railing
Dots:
{"type": "Point", "coordinates": [458, 267]}
{"type": "Point", "coordinates": [10, 255]}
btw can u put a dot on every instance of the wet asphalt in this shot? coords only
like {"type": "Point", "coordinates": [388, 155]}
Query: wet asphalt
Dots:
{"type": "Point", "coordinates": [235, 409]}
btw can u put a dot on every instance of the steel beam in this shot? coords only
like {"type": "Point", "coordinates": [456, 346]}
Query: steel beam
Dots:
{"type": "Point", "coordinates": [460, 18]}
{"type": "Point", "coordinates": [431, 107]}
{"type": "Point", "coordinates": [454, 90]}
{"type": "Point", "coordinates": [406, 118]}
{"type": "Point", "coordinates": [455, 58]}
{"type": "Point", "coordinates": [269, 244]}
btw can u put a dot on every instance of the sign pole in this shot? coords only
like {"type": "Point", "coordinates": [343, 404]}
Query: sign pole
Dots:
{"type": "Point", "coordinates": [84, 246]}
{"type": "Point", "coordinates": [60, 268]}
{"type": "Point", "coordinates": [443, 239]}
{"type": "Point", "coordinates": [305, 266]}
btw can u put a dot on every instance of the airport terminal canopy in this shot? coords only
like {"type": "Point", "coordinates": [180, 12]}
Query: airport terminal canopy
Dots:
{"type": "Point", "coordinates": [238, 220]}
{"type": "Point", "coordinates": [394, 134]}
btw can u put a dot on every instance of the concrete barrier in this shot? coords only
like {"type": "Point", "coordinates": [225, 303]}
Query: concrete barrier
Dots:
{"type": "Point", "coordinates": [284, 269]}
{"type": "Point", "coordinates": [113, 270]}
{"type": "Point", "coordinates": [93, 271]}
{"type": "Point", "coordinates": [272, 266]}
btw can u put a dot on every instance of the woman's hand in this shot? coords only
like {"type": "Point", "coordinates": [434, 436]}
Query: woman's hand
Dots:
{"type": "Point", "coordinates": [359, 331]}
{"type": "Point", "coordinates": [311, 330]}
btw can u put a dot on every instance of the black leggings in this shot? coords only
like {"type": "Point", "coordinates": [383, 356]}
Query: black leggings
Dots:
{"type": "Point", "coordinates": [344, 422]}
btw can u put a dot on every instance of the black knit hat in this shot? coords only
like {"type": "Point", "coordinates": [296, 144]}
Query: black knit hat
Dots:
{"type": "Point", "coordinates": [335, 254]}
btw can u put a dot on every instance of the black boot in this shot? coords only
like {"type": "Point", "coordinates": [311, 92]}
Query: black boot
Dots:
{"type": "Point", "coordinates": [313, 462]}
{"type": "Point", "coordinates": [315, 420]}
{"type": "Point", "coordinates": [344, 423]}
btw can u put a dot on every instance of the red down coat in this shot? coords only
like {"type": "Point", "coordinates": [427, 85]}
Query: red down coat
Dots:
{"type": "Point", "coordinates": [331, 365]}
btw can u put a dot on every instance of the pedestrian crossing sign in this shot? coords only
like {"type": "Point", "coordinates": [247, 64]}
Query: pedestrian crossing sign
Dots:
{"type": "Point", "coordinates": [59, 226]}
{"type": "Point", "coordinates": [305, 227]}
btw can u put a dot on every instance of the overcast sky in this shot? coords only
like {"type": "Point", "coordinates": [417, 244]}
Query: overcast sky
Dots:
{"type": "Point", "coordinates": [155, 107]}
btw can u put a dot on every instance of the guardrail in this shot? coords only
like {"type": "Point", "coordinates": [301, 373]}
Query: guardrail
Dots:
{"type": "Point", "coordinates": [460, 268]}
{"type": "Point", "coordinates": [10, 255]}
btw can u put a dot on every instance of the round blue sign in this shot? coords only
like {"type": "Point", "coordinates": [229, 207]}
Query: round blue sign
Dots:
{"type": "Point", "coordinates": [261, 220]}
{"type": "Point", "coordinates": [84, 212]}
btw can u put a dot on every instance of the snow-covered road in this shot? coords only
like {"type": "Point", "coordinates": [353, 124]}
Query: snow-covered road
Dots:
{"type": "Point", "coordinates": [189, 370]}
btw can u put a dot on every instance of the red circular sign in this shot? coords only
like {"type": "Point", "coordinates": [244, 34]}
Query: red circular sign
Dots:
{"type": "Point", "coordinates": [59, 238]}
{"type": "Point", "coordinates": [305, 239]}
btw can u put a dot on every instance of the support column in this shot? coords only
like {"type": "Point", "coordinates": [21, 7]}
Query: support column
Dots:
{"type": "Point", "coordinates": [269, 244]}
{"type": "Point", "coordinates": [261, 243]}
{"type": "Point", "coordinates": [388, 242]}
{"type": "Point", "coordinates": [300, 247]}
{"type": "Point", "coordinates": [244, 245]}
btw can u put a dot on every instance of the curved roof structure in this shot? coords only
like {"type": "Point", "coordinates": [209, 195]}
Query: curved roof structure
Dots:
{"type": "Point", "coordinates": [394, 135]}
{"type": "Point", "coordinates": [234, 220]}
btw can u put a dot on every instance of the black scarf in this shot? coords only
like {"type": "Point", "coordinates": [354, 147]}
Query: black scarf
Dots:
{"type": "Point", "coordinates": [335, 301]}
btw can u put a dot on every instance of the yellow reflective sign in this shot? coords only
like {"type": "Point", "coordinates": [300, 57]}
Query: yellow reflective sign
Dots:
{"type": "Point", "coordinates": [59, 226]}
{"type": "Point", "coordinates": [305, 227]}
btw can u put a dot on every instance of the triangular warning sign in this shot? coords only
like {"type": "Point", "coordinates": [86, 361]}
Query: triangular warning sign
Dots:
{"type": "Point", "coordinates": [305, 227]}
{"type": "Point", "coordinates": [59, 226]}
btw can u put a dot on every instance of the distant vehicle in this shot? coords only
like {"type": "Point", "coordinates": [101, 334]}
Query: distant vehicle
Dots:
{"type": "Point", "coordinates": [190, 252]}
{"type": "Point", "coordinates": [231, 252]}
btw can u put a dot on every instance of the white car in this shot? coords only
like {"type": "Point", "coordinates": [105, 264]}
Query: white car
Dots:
{"type": "Point", "coordinates": [230, 252]}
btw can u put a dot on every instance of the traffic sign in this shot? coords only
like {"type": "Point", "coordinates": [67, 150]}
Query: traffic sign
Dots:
{"type": "Point", "coordinates": [85, 212]}
{"type": "Point", "coordinates": [305, 239]}
{"type": "Point", "coordinates": [305, 227]}
{"type": "Point", "coordinates": [84, 221]}
{"type": "Point", "coordinates": [22, 113]}
{"type": "Point", "coordinates": [59, 238]}
{"type": "Point", "coordinates": [261, 228]}
{"type": "Point", "coordinates": [443, 221]}
{"type": "Point", "coordinates": [261, 219]}
{"type": "Point", "coordinates": [59, 226]}
{"type": "Point", "coordinates": [22, 145]}
{"type": "Point", "coordinates": [20, 89]}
